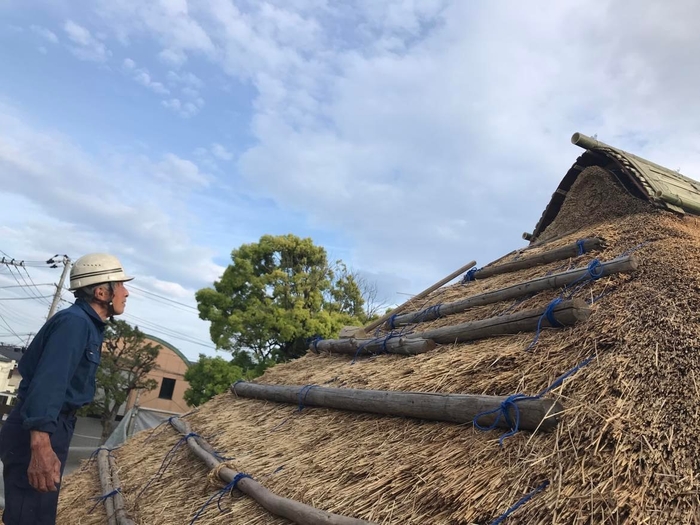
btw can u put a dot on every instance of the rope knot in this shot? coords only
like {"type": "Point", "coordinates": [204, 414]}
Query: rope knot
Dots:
{"type": "Point", "coordinates": [392, 320]}
{"type": "Point", "coordinates": [104, 497]}
{"type": "Point", "coordinates": [503, 412]}
{"type": "Point", "coordinates": [302, 395]}
{"type": "Point", "coordinates": [470, 275]}
{"type": "Point", "coordinates": [581, 247]}
{"type": "Point", "coordinates": [595, 269]}
{"type": "Point", "coordinates": [549, 313]}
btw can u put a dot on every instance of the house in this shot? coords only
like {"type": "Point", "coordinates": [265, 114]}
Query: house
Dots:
{"type": "Point", "coordinates": [619, 375]}
{"type": "Point", "coordinates": [9, 376]}
{"type": "Point", "coordinates": [169, 373]}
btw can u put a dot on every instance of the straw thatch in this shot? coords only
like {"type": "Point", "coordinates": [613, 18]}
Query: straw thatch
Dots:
{"type": "Point", "coordinates": [625, 451]}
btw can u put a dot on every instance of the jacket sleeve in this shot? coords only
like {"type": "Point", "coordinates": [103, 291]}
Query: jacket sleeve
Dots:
{"type": "Point", "coordinates": [63, 348]}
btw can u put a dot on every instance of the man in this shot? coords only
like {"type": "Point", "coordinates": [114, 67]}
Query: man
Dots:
{"type": "Point", "coordinates": [58, 377]}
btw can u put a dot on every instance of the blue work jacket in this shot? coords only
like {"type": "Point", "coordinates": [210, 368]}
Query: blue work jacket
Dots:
{"type": "Point", "coordinates": [59, 366]}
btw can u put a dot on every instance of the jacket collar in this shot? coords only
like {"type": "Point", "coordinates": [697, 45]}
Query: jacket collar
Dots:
{"type": "Point", "coordinates": [88, 309]}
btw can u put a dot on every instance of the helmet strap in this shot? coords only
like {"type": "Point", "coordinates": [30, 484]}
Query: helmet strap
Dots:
{"type": "Point", "coordinates": [108, 304]}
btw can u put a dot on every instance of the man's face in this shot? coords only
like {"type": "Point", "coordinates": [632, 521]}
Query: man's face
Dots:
{"type": "Point", "coordinates": [119, 298]}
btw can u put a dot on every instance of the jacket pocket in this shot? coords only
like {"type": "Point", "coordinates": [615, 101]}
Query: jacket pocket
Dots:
{"type": "Point", "coordinates": [92, 352]}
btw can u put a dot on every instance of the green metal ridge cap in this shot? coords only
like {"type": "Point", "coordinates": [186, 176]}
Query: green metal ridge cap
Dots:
{"type": "Point", "coordinates": [644, 179]}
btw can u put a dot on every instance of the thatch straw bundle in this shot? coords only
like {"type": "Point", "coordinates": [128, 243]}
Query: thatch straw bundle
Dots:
{"type": "Point", "coordinates": [625, 451]}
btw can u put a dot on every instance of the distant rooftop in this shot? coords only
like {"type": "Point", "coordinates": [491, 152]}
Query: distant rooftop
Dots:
{"type": "Point", "coordinates": [11, 352]}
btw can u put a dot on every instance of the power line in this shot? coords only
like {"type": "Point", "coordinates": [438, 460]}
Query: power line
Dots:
{"type": "Point", "coordinates": [17, 265]}
{"type": "Point", "coordinates": [169, 332]}
{"type": "Point", "coordinates": [26, 287]}
{"type": "Point", "coordinates": [31, 280]}
{"type": "Point", "coordinates": [154, 327]}
{"type": "Point", "coordinates": [132, 287]}
{"type": "Point", "coordinates": [23, 285]}
{"type": "Point", "coordinates": [10, 328]}
{"type": "Point", "coordinates": [24, 298]}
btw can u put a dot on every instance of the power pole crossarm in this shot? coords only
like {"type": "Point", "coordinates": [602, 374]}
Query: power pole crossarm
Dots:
{"type": "Point", "coordinates": [59, 286]}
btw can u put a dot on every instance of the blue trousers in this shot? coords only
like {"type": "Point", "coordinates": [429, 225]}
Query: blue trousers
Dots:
{"type": "Point", "coordinates": [23, 504]}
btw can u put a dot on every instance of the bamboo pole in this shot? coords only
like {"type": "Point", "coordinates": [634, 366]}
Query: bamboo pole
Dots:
{"type": "Point", "coordinates": [295, 511]}
{"type": "Point", "coordinates": [361, 332]}
{"type": "Point", "coordinates": [388, 344]}
{"type": "Point", "coordinates": [122, 518]}
{"type": "Point", "coordinates": [558, 254]}
{"type": "Point", "coordinates": [517, 291]}
{"type": "Point", "coordinates": [566, 313]}
{"type": "Point", "coordinates": [535, 414]}
{"type": "Point", "coordinates": [106, 484]}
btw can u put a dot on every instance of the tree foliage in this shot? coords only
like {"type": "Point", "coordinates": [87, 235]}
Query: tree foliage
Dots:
{"type": "Point", "coordinates": [208, 377]}
{"type": "Point", "coordinates": [275, 295]}
{"type": "Point", "coordinates": [124, 366]}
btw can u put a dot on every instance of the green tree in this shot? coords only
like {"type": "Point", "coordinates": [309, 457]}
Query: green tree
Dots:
{"type": "Point", "coordinates": [275, 295]}
{"type": "Point", "coordinates": [208, 377]}
{"type": "Point", "coordinates": [125, 364]}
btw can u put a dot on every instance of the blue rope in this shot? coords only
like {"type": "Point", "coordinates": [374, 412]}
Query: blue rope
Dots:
{"type": "Point", "coordinates": [218, 456]}
{"type": "Point", "coordinates": [549, 315]}
{"type": "Point", "coordinates": [392, 319]}
{"type": "Point", "coordinates": [560, 380]}
{"type": "Point", "coordinates": [521, 502]}
{"type": "Point", "coordinates": [470, 275]}
{"type": "Point", "coordinates": [314, 341]}
{"type": "Point", "coordinates": [503, 410]}
{"type": "Point", "coordinates": [94, 455]}
{"type": "Point", "coordinates": [169, 457]}
{"type": "Point", "coordinates": [383, 341]}
{"type": "Point", "coordinates": [581, 247]}
{"type": "Point", "coordinates": [302, 395]}
{"type": "Point", "coordinates": [594, 271]}
{"type": "Point", "coordinates": [433, 311]}
{"type": "Point", "coordinates": [103, 498]}
{"type": "Point", "coordinates": [633, 249]}
{"type": "Point", "coordinates": [221, 493]}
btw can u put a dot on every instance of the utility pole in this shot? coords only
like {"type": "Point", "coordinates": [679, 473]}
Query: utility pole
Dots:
{"type": "Point", "coordinates": [59, 287]}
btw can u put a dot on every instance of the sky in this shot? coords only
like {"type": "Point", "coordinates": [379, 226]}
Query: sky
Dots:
{"type": "Point", "coordinates": [407, 137]}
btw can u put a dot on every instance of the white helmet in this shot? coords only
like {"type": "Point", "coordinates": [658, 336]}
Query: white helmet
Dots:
{"type": "Point", "coordinates": [96, 268]}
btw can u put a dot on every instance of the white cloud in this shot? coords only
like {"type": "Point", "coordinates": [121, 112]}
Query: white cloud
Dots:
{"type": "Point", "coordinates": [137, 206]}
{"type": "Point", "coordinates": [77, 34]}
{"type": "Point", "coordinates": [173, 168]}
{"type": "Point", "coordinates": [184, 109]}
{"type": "Point", "coordinates": [172, 57]}
{"type": "Point", "coordinates": [186, 78]}
{"type": "Point", "coordinates": [221, 152]}
{"type": "Point", "coordinates": [44, 33]}
{"type": "Point", "coordinates": [396, 104]}
{"type": "Point", "coordinates": [173, 103]}
{"type": "Point", "coordinates": [144, 78]}
{"type": "Point", "coordinates": [375, 111]}
{"type": "Point", "coordinates": [88, 47]}
{"type": "Point", "coordinates": [190, 92]}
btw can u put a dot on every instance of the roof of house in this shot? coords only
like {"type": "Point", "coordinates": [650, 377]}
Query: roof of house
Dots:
{"type": "Point", "coordinates": [642, 178]}
{"type": "Point", "coordinates": [626, 374]}
{"type": "Point", "coordinates": [170, 347]}
{"type": "Point", "coordinates": [10, 352]}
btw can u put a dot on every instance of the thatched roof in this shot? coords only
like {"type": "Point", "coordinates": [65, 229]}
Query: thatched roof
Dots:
{"type": "Point", "coordinates": [625, 450]}
{"type": "Point", "coordinates": [640, 177]}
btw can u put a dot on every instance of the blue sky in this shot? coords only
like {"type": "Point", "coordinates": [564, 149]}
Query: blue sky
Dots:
{"type": "Point", "coordinates": [407, 137]}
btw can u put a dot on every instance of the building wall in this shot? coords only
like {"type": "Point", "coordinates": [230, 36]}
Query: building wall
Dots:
{"type": "Point", "coordinates": [6, 383]}
{"type": "Point", "coordinates": [15, 380]}
{"type": "Point", "coordinates": [170, 365]}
